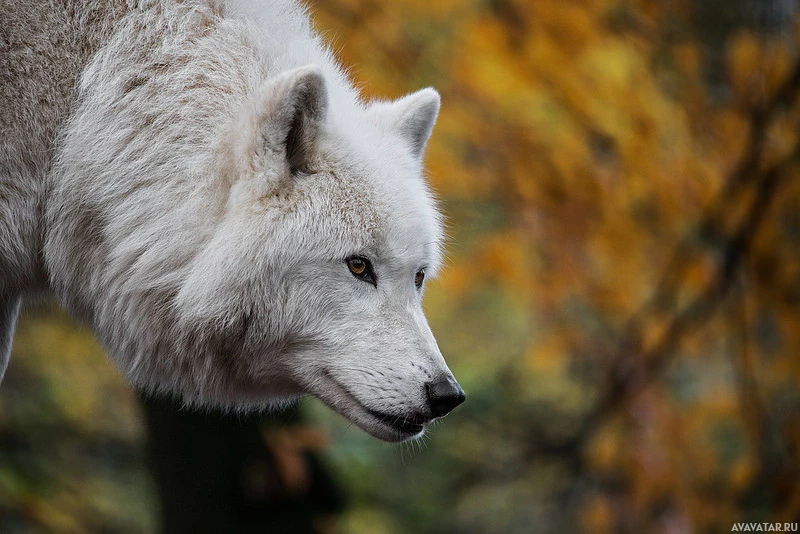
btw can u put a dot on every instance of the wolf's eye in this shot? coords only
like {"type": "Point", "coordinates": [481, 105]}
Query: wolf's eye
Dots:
{"type": "Point", "coordinates": [361, 269]}
{"type": "Point", "coordinates": [419, 278]}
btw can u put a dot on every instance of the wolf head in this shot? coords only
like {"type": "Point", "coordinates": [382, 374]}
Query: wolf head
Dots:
{"type": "Point", "coordinates": [312, 280]}
{"type": "Point", "coordinates": [239, 231]}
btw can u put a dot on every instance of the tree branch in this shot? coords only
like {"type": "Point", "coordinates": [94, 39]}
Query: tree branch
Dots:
{"type": "Point", "coordinates": [634, 366]}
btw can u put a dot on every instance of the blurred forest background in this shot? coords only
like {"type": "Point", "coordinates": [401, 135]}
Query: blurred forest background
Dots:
{"type": "Point", "coordinates": [621, 302]}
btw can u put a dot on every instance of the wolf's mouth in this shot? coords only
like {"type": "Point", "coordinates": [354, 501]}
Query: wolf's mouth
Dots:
{"type": "Point", "coordinates": [405, 425]}
{"type": "Point", "coordinates": [382, 425]}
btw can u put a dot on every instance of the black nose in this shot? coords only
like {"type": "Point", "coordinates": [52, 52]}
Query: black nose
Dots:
{"type": "Point", "coordinates": [444, 394]}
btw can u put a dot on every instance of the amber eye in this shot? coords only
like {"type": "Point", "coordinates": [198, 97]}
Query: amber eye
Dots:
{"type": "Point", "coordinates": [361, 269]}
{"type": "Point", "coordinates": [419, 278]}
{"type": "Point", "coordinates": [357, 266]}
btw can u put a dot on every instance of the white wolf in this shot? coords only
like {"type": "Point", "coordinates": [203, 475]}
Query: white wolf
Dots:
{"type": "Point", "coordinates": [198, 181]}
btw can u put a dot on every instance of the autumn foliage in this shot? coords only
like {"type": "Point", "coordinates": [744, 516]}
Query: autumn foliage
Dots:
{"type": "Point", "coordinates": [623, 292]}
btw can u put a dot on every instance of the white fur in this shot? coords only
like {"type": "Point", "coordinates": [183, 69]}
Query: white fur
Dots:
{"type": "Point", "coordinates": [215, 171]}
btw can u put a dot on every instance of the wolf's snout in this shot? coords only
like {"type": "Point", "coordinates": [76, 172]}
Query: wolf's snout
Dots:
{"type": "Point", "coordinates": [444, 394]}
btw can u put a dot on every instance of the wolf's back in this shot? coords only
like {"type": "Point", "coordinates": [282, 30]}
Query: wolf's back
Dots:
{"type": "Point", "coordinates": [44, 46]}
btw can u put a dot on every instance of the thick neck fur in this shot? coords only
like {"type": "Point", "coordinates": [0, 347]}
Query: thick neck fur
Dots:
{"type": "Point", "coordinates": [48, 49]}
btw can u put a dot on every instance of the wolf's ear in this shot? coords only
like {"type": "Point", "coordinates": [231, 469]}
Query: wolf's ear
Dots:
{"type": "Point", "coordinates": [412, 116]}
{"type": "Point", "coordinates": [289, 111]}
